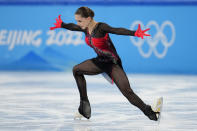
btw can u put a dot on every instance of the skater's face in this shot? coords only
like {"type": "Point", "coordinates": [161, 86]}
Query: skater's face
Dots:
{"type": "Point", "coordinates": [82, 21]}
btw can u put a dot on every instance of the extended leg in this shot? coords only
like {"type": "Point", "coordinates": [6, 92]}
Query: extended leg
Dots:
{"type": "Point", "coordinates": [122, 82]}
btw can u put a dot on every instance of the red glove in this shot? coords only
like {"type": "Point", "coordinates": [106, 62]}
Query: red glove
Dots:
{"type": "Point", "coordinates": [141, 33]}
{"type": "Point", "coordinates": [57, 24]}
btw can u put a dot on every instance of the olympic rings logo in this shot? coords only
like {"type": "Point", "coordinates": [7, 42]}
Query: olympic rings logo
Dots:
{"type": "Point", "coordinates": [154, 40]}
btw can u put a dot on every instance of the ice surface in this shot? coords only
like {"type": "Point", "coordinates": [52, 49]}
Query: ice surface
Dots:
{"type": "Point", "coordinates": [37, 101]}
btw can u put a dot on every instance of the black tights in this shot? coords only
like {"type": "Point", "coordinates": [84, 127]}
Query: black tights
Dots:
{"type": "Point", "coordinates": [91, 67]}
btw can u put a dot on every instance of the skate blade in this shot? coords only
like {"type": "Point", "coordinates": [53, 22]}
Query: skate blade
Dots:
{"type": "Point", "coordinates": [157, 107]}
{"type": "Point", "coordinates": [78, 116]}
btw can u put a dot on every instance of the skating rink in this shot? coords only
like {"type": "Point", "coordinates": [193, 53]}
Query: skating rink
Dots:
{"type": "Point", "coordinates": [47, 101]}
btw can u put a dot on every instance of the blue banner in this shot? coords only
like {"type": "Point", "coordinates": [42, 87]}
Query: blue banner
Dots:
{"type": "Point", "coordinates": [98, 2]}
{"type": "Point", "coordinates": [26, 43]}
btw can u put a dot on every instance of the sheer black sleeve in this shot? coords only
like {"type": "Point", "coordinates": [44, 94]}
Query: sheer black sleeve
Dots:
{"type": "Point", "coordinates": [72, 27]}
{"type": "Point", "coordinates": [119, 31]}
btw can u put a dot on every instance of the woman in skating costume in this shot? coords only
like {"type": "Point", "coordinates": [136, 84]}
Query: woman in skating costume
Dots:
{"type": "Point", "coordinates": [107, 60]}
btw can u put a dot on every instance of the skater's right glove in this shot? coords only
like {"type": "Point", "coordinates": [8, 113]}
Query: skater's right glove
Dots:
{"type": "Point", "coordinates": [141, 33]}
{"type": "Point", "coordinates": [57, 24]}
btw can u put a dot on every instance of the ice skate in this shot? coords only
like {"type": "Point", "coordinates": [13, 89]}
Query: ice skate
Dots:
{"type": "Point", "coordinates": [150, 113]}
{"type": "Point", "coordinates": [157, 107]}
{"type": "Point", "coordinates": [154, 112]}
{"type": "Point", "coordinates": [84, 110]}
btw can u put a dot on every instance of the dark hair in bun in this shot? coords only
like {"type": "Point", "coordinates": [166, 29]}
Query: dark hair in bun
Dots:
{"type": "Point", "coordinates": [85, 12]}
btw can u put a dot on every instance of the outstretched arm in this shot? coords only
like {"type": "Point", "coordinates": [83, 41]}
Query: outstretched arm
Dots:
{"type": "Point", "coordinates": [119, 31]}
{"type": "Point", "coordinates": [122, 31]}
{"type": "Point", "coordinates": [70, 26]}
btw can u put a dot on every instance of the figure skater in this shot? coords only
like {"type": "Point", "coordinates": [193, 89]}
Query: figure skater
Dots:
{"type": "Point", "coordinates": [107, 60]}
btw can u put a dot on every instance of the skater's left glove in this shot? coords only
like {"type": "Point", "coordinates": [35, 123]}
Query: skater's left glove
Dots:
{"type": "Point", "coordinates": [57, 24]}
{"type": "Point", "coordinates": [141, 33]}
